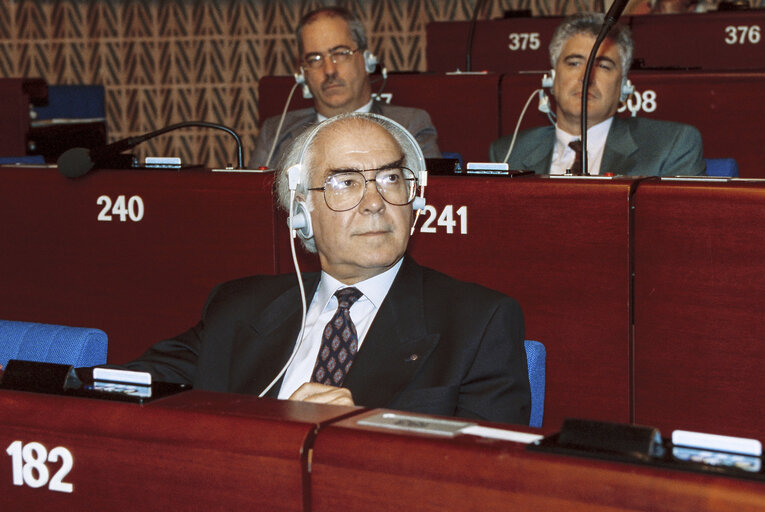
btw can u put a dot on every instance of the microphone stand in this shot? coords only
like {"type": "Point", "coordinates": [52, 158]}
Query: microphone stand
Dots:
{"type": "Point", "coordinates": [610, 20]}
{"type": "Point", "coordinates": [478, 6]}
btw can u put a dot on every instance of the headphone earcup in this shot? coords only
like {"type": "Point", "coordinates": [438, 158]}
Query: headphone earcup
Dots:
{"type": "Point", "coordinates": [627, 90]}
{"type": "Point", "coordinates": [548, 80]}
{"type": "Point", "coordinates": [301, 220]}
{"type": "Point", "coordinates": [300, 79]}
{"type": "Point", "coordinates": [370, 61]}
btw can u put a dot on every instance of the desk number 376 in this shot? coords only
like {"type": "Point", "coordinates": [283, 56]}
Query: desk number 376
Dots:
{"type": "Point", "coordinates": [30, 468]}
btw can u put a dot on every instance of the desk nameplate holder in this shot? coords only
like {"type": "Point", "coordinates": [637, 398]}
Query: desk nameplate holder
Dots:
{"type": "Point", "coordinates": [636, 444]}
{"type": "Point", "coordinates": [108, 384]}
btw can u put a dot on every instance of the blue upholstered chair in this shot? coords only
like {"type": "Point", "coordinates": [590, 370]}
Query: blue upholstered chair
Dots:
{"type": "Point", "coordinates": [535, 356]}
{"type": "Point", "coordinates": [73, 102]}
{"type": "Point", "coordinates": [76, 346]}
{"type": "Point", "coordinates": [26, 159]}
{"type": "Point", "coordinates": [722, 167]}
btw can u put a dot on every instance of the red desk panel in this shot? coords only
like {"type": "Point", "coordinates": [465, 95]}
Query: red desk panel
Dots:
{"type": "Point", "coordinates": [458, 105]}
{"type": "Point", "coordinates": [506, 45]}
{"type": "Point", "coordinates": [711, 41]}
{"type": "Point", "coordinates": [193, 451]}
{"type": "Point", "coordinates": [699, 296]}
{"type": "Point", "coordinates": [14, 121]}
{"type": "Point", "coordinates": [561, 248]}
{"type": "Point", "coordinates": [362, 468]}
{"type": "Point", "coordinates": [720, 105]}
{"type": "Point", "coordinates": [139, 281]}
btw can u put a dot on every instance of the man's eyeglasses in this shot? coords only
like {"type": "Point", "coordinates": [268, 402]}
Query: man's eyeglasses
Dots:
{"type": "Point", "coordinates": [337, 55]}
{"type": "Point", "coordinates": [345, 190]}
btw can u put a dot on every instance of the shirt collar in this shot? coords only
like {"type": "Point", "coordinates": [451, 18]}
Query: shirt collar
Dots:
{"type": "Point", "coordinates": [363, 108]}
{"type": "Point", "coordinates": [599, 132]}
{"type": "Point", "coordinates": [375, 289]}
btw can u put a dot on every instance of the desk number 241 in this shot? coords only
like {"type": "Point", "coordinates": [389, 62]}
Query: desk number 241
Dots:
{"type": "Point", "coordinates": [29, 462]}
{"type": "Point", "coordinates": [446, 219]}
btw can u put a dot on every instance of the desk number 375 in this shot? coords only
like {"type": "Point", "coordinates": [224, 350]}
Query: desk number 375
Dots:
{"type": "Point", "coordinates": [30, 468]}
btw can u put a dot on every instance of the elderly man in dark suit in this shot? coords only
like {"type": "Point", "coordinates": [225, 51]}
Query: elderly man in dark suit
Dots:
{"type": "Point", "coordinates": [335, 63]}
{"type": "Point", "coordinates": [633, 146]}
{"type": "Point", "coordinates": [379, 329]}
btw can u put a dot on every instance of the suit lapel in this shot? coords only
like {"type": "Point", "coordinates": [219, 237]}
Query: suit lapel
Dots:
{"type": "Point", "coordinates": [620, 146]}
{"type": "Point", "coordinates": [396, 345]}
{"type": "Point", "coordinates": [541, 155]}
{"type": "Point", "coordinates": [269, 340]}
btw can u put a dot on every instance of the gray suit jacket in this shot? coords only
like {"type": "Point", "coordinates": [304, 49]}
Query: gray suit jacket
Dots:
{"type": "Point", "coordinates": [634, 146]}
{"type": "Point", "coordinates": [437, 346]}
{"type": "Point", "coordinates": [415, 120]}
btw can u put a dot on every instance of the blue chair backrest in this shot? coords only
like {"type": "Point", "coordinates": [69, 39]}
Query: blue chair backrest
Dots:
{"type": "Point", "coordinates": [535, 357]}
{"type": "Point", "coordinates": [722, 167]}
{"type": "Point", "coordinates": [28, 341]}
{"type": "Point", "coordinates": [73, 102]}
{"type": "Point", "coordinates": [26, 159]}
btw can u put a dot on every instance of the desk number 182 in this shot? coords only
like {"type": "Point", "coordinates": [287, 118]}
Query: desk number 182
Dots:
{"type": "Point", "coordinates": [29, 462]}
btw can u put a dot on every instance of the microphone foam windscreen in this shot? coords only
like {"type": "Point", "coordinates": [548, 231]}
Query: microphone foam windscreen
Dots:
{"type": "Point", "coordinates": [75, 162]}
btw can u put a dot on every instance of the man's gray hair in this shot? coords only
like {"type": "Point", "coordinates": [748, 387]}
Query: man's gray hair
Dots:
{"type": "Point", "coordinates": [590, 23]}
{"type": "Point", "coordinates": [302, 150]}
{"type": "Point", "coordinates": [358, 32]}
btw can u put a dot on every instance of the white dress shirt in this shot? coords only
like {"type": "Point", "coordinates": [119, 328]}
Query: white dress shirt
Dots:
{"type": "Point", "coordinates": [563, 156]}
{"type": "Point", "coordinates": [320, 312]}
{"type": "Point", "coordinates": [363, 108]}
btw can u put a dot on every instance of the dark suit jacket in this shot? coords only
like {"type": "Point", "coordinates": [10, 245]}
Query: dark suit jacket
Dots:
{"type": "Point", "coordinates": [634, 146]}
{"type": "Point", "coordinates": [437, 346]}
{"type": "Point", "coordinates": [415, 120]}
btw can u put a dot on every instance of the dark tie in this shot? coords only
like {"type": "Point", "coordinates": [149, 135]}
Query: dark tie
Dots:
{"type": "Point", "coordinates": [339, 342]}
{"type": "Point", "coordinates": [576, 145]}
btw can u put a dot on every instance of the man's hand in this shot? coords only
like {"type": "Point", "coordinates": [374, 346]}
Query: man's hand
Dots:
{"type": "Point", "coordinates": [322, 394]}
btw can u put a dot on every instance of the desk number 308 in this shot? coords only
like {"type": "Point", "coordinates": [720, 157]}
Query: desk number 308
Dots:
{"type": "Point", "coordinates": [29, 465]}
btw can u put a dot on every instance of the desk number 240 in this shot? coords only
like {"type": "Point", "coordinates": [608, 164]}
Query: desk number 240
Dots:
{"type": "Point", "coordinates": [29, 462]}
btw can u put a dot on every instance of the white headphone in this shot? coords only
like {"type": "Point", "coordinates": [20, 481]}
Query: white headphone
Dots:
{"type": "Point", "coordinates": [370, 64]}
{"type": "Point", "coordinates": [299, 220]}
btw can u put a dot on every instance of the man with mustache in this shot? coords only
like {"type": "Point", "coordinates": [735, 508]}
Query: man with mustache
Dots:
{"type": "Point", "coordinates": [633, 146]}
{"type": "Point", "coordinates": [332, 47]}
{"type": "Point", "coordinates": [380, 330]}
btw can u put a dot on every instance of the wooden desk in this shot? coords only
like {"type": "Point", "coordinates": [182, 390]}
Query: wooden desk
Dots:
{"type": "Point", "coordinates": [710, 41]}
{"type": "Point", "coordinates": [712, 102]}
{"type": "Point", "coordinates": [457, 104]}
{"type": "Point", "coordinates": [193, 451]}
{"type": "Point", "coordinates": [138, 279]}
{"type": "Point", "coordinates": [699, 296]}
{"type": "Point", "coordinates": [362, 468]}
{"type": "Point", "coordinates": [14, 123]}
{"type": "Point", "coordinates": [713, 41]}
{"type": "Point", "coordinates": [505, 45]}
{"type": "Point", "coordinates": [561, 247]}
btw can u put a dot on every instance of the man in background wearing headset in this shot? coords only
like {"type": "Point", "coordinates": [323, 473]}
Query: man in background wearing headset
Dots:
{"type": "Point", "coordinates": [335, 64]}
{"type": "Point", "coordinates": [417, 340]}
{"type": "Point", "coordinates": [633, 146]}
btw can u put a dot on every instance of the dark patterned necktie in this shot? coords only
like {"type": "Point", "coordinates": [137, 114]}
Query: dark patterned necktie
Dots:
{"type": "Point", "coordinates": [339, 342]}
{"type": "Point", "coordinates": [576, 145]}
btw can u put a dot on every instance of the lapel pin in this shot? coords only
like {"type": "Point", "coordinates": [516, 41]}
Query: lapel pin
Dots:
{"type": "Point", "coordinates": [412, 357]}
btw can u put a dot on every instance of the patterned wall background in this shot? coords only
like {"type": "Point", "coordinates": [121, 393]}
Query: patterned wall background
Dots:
{"type": "Point", "coordinates": [166, 61]}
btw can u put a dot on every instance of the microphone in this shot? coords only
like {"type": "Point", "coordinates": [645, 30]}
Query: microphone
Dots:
{"type": "Point", "coordinates": [469, 51]}
{"type": "Point", "coordinates": [77, 162]}
{"type": "Point", "coordinates": [611, 17]}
